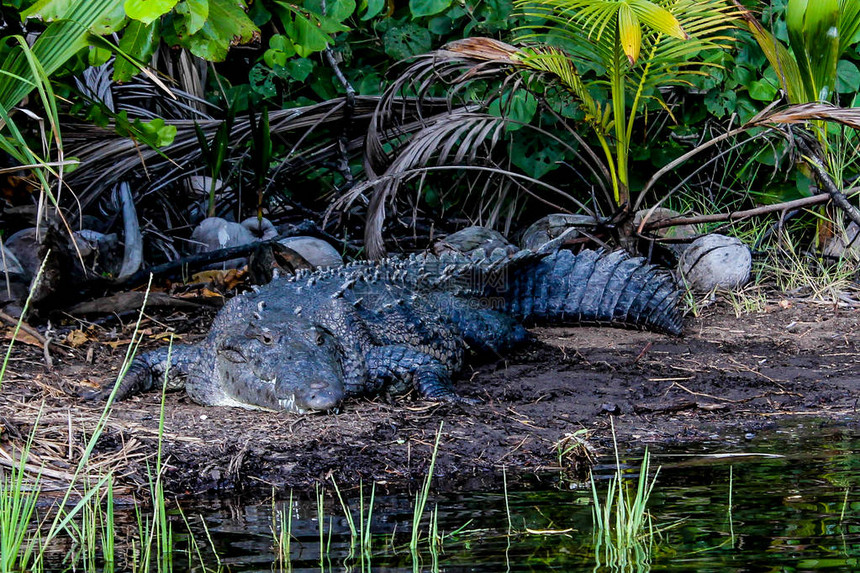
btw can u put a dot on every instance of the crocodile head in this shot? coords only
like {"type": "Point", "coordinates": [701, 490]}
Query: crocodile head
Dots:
{"type": "Point", "coordinates": [293, 368]}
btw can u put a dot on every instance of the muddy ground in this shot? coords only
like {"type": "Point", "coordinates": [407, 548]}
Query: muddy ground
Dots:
{"type": "Point", "coordinates": [727, 377]}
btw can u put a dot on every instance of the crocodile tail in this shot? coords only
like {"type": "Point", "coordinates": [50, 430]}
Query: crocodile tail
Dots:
{"type": "Point", "coordinates": [594, 287]}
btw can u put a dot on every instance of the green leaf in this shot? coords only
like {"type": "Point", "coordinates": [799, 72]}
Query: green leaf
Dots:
{"type": "Point", "coordinates": [159, 134]}
{"type": "Point", "coordinates": [374, 7]}
{"type": "Point", "coordinates": [427, 7]}
{"type": "Point", "coordinates": [47, 10]}
{"type": "Point", "coordinates": [259, 14]}
{"type": "Point", "coordinates": [814, 36]}
{"type": "Point", "coordinates": [534, 156]}
{"type": "Point", "coordinates": [847, 77]}
{"type": "Point", "coordinates": [274, 58]}
{"type": "Point", "coordinates": [262, 82]}
{"type": "Point", "coordinates": [336, 10]}
{"type": "Point", "coordinates": [195, 13]}
{"type": "Point", "coordinates": [721, 103]}
{"type": "Point", "coordinates": [307, 38]}
{"type": "Point", "coordinates": [369, 83]}
{"type": "Point", "coordinates": [658, 18]}
{"type": "Point", "coordinates": [154, 133]}
{"type": "Point", "coordinates": [139, 41]}
{"type": "Point", "coordinates": [227, 25]}
{"type": "Point", "coordinates": [440, 25]}
{"type": "Point", "coordinates": [520, 107]}
{"type": "Point", "coordinates": [762, 90]}
{"type": "Point", "coordinates": [112, 22]}
{"type": "Point", "coordinates": [98, 56]}
{"type": "Point", "coordinates": [629, 33]}
{"type": "Point", "coordinates": [148, 10]}
{"type": "Point", "coordinates": [406, 40]}
{"type": "Point", "coordinates": [300, 68]}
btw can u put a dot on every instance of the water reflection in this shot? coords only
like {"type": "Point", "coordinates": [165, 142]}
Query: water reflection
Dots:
{"type": "Point", "coordinates": [797, 509]}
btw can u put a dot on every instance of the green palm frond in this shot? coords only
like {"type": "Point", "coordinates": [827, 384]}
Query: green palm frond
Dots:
{"type": "Point", "coordinates": [813, 33]}
{"type": "Point", "coordinates": [553, 61]}
{"type": "Point", "coordinates": [820, 31]}
{"type": "Point", "coordinates": [61, 40]}
{"type": "Point", "coordinates": [639, 45]}
{"type": "Point", "coordinates": [780, 58]}
{"type": "Point", "coordinates": [849, 24]}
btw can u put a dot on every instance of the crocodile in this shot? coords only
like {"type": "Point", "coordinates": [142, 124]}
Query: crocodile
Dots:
{"type": "Point", "coordinates": [307, 342]}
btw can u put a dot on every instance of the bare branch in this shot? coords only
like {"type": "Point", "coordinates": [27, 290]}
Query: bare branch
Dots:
{"type": "Point", "coordinates": [737, 215]}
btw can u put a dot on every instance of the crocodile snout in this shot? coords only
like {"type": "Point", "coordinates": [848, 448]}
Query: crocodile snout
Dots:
{"type": "Point", "coordinates": [321, 395]}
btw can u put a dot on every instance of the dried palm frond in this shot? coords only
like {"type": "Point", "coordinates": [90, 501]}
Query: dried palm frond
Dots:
{"type": "Point", "coordinates": [460, 139]}
{"type": "Point", "coordinates": [806, 112]}
{"type": "Point", "coordinates": [451, 67]}
{"type": "Point", "coordinates": [775, 121]}
{"type": "Point", "coordinates": [464, 137]}
{"type": "Point", "coordinates": [140, 98]}
{"type": "Point", "coordinates": [107, 157]}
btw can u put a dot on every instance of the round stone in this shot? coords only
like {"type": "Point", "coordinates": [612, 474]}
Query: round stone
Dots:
{"type": "Point", "coordinates": [317, 252]}
{"type": "Point", "coordinates": [716, 261]}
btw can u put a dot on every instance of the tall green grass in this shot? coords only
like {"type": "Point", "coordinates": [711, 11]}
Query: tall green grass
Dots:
{"type": "Point", "coordinates": [89, 522]}
{"type": "Point", "coordinates": [422, 496]}
{"type": "Point", "coordinates": [623, 530]}
{"type": "Point", "coordinates": [18, 499]}
{"type": "Point", "coordinates": [282, 532]}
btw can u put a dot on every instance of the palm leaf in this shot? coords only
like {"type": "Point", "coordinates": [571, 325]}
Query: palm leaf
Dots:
{"type": "Point", "coordinates": [474, 135]}
{"type": "Point", "coordinates": [61, 40]}
{"type": "Point", "coordinates": [849, 24]}
{"type": "Point", "coordinates": [814, 36]}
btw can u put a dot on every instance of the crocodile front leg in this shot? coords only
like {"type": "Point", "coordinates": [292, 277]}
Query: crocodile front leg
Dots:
{"type": "Point", "coordinates": [400, 368]}
{"type": "Point", "coordinates": [149, 368]}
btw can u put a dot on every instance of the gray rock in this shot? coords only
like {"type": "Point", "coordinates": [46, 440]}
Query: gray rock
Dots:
{"type": "Point", "coordinates": [845, 244]}
{"type": "Point", "coordinates": [716, 261]}
{"type": "Point", "coordinates": [317, 252]}
{"type": "Point", "coordinates": [216, 233]}
{"type": "Point", "coordinates": [551, 227]}
{"type": "Point", "coordinates": [261, 229]}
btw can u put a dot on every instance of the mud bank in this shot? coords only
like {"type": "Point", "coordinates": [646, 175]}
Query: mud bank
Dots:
{"type": "Point", "coordinates": [726, 378]}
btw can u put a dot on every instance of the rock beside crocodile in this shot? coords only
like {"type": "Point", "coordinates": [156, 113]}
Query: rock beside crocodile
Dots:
{"type": "Point", "coordinates": [308, 342]}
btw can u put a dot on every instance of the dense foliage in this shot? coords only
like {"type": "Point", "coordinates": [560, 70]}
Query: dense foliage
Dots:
{"type": "Point", "coordinates": [623, 68]}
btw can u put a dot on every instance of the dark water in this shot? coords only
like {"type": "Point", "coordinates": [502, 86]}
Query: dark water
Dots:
{"type": "Point", "coordinates": [795, 506]}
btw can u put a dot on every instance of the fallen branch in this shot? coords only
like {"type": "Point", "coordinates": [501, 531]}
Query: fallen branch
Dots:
{"type": "Point", "coordinates": [12, 321]}
{"type": "Point", "coordinates": [740, 215]}
{"type": "Point", "coordinates": [194, 262]}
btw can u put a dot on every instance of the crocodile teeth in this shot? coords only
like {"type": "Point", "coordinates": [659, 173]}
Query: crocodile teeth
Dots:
{"type": "Point", "coordinates": [289, 404]}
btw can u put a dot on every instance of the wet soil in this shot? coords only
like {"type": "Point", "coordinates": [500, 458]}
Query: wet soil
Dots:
{"type": "Point", "coordinates": [725, 379]}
